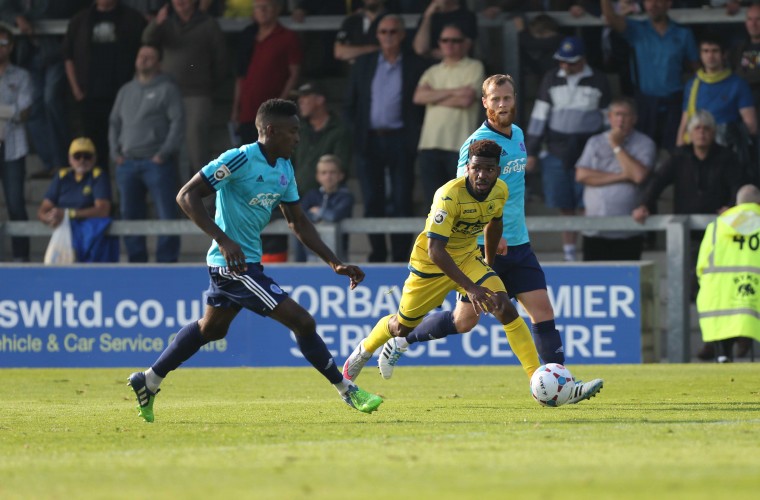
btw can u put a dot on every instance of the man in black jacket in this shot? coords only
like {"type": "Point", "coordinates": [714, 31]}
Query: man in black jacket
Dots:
{"type": "Point", "coordinates": [386, 125]}
{"type": "Point", "coordinates": [705, 178]}
{"type": "Point", "coordinates": [705, 175]}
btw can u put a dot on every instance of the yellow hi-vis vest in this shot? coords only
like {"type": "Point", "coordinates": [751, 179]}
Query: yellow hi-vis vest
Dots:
{"type": "Point", "coordinates": [728, 268]}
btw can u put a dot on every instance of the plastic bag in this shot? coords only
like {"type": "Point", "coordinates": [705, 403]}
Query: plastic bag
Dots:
{"type": "Point", "coordinates": [60, 250]}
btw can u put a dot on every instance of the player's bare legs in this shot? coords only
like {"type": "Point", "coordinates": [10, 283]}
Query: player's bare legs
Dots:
{"type": "Point", "coordinates": [537, 305]}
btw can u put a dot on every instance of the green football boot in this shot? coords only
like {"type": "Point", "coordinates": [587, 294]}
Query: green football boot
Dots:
{"type": "Point", "coordinates": [145, 397]}
{"type": "Point", "coordinates": [362, 400]}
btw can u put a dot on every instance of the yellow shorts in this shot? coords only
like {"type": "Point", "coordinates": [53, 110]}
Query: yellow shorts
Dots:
{"type": "Point", "coordinates": [422, 294]}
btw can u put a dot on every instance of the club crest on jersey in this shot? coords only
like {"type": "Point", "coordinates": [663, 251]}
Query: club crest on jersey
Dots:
{"type": "Point", "coordinates": [491, 208]}
{"type": "Point", "coordinates": [283, 180]}
{"type": "Point", "coordinates": [221, 172]}
{"type": "Point", "coordinates": [440, 216]}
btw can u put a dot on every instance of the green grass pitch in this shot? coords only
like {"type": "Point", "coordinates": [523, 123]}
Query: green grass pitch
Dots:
{"type": "Point", "coordinates": [655, 431]}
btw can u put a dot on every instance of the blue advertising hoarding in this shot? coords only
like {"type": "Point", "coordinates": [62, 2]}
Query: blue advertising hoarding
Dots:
{"type": "Point", "coordinates": [109, 316]}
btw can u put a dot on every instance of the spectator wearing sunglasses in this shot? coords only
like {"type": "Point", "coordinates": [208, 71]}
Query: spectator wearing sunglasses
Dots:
{"type": "Point", "coordinates": [449, 91]}
{"type": "Point", "coordinates": [379, 108]}
{"type": "Point", "coordinates": [82, 188]}
{"type": "Point", "coordinates": [442, 13]}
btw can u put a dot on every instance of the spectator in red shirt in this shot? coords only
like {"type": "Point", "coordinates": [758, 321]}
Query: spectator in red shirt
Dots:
{"type": "Point", "coordinates": [268, 66]}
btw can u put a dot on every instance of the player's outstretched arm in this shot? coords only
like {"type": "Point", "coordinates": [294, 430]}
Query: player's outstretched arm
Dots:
{"type": "Point", "coordinates": [190, 200]}
{"type": "Point", "coordinates": [308, 235]}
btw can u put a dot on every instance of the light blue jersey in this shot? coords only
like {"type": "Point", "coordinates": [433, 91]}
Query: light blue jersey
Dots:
{"type": "Point", "coordinates": [247, 190]}
{"type": "Point", "coordinates": [512, 163]}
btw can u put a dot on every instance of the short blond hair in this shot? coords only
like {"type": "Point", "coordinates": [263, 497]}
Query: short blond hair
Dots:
{"type": "Point", "coordinates": [335, 160]}
{"type": "Point", "coordinates": [498, 81]}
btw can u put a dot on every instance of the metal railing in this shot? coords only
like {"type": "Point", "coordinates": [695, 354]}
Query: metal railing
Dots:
{"type": "Point", "coordinates": [675, 227]}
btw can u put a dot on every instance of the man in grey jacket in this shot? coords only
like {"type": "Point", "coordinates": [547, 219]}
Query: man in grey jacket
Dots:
{"type": "Point", "coordinates": [146, 131]}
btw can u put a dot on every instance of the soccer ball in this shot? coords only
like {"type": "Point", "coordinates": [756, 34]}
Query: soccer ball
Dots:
{"type": "Point", "coordinates": [552, 384]}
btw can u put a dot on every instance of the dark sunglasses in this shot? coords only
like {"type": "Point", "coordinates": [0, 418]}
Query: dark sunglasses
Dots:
{"type": "Point", "coordinates": [451, 40]}
{"type": "Point", "coordinates": [387, 32]}
{"type": "Point", "coordinates": [83, 156]}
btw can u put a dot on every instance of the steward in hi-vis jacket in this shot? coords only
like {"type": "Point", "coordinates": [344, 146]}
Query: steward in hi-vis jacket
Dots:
{"type": "Point", "coordinates": [728, 268]}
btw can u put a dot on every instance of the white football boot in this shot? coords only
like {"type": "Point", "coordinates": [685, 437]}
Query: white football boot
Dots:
{"type": "Point", "coordinates": [355, 362]}
{"type": "Point", "coordinates": [585, 390]}
{"type": "Point", "coordinates": [389, 357]}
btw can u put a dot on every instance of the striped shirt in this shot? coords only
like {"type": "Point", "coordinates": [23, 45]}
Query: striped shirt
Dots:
{"type": "Point", "coordinates": [568, 110]}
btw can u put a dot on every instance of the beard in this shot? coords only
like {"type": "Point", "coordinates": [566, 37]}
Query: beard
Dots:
{"type": "Point", "coordinates": [501, 120]}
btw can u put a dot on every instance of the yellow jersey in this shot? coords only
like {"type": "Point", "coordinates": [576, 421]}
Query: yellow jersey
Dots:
{"type": "Point", "coordinates": [456, 217]}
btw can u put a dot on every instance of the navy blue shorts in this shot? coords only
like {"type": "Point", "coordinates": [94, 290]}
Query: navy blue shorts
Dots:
{"type": "Point", "coordinates": [519, 270]}
{"type": "Point", "coordinates": [252, 289]}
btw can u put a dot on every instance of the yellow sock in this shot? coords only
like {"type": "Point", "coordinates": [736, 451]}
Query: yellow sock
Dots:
{"type": "Point", "coordinates": [379, 335]}
{"type": "Point", "coordinates": [521, 342]}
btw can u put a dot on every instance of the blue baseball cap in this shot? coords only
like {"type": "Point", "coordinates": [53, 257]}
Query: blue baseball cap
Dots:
{"type": "Point", "coordinates": [571, 50]}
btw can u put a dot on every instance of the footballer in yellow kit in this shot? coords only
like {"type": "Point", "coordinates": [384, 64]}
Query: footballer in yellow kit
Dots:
{"type": "Point", "coordinates": [456, 217]}
{"type": "Point", "coordinates": [446, 257]}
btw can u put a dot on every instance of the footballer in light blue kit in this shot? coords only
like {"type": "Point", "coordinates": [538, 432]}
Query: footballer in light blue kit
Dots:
{"type": "Point", "coordinates": [518, 268]}
{"type": "Point", "coordinates": [249, 183]}
{"type": "Point", "coordinates": [247, 190]}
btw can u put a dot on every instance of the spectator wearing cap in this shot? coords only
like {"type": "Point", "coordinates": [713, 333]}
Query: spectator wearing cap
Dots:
{"type": "Point", "coordinates": [449, 91]}
{"type": "Point", "coordinates": [357, 32]}
{"type": "Point", "coordinates": [81, 188]}
{"type": "Point", "coordinates": [569, 108]}
{"type": "Point", "coordinates": [269, 62]}
{"type": "Point", "coordinates": [84, 191]}
{"type": "Point", "coordinates": [322, 133]}
{"type": "Point", "coordinates": [147, 128]}
{"type": "Point", "coordinates": [662, 50]}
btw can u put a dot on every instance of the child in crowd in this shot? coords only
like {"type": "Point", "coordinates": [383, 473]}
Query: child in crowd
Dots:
{"type": "Point", "coordinates": [330, 202]}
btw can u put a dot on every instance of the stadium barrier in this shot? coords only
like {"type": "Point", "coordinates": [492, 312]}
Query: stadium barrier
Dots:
{"type": "Point", "coordinates": [676, 228]}
{"type": "Point", "coordinates": [123, 315]}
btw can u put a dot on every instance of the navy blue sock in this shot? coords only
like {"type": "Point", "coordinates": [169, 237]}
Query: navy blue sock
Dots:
{"type": "Point", "coordinates": [315, 351]}
{"type": "Point", "coordinates": [185, 344]}
{"type": "Point", "coordinates": [434, 326]}
{"type": "Point", "coordinates": [548, 342]}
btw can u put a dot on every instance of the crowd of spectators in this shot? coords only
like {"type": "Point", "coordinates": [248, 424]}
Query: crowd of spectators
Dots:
{"type": "Point", "coordinates": [406, 91]}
